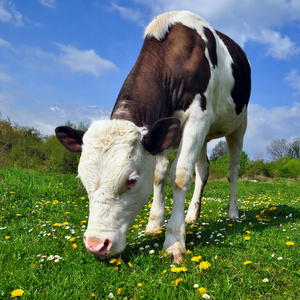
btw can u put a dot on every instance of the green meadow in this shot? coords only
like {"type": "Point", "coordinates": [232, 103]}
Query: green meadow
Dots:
{"type": "Point", "coordinates": [42, 255]}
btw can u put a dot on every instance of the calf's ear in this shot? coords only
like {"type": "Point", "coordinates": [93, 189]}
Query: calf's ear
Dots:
{"type": "Point", "coordinates": [161, 135]}
{"type": "Point", "coordinates": [70, 138]}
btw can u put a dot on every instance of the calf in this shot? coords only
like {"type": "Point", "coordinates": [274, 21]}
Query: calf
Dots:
{"type": "Point", "coordinates": [189, 85]}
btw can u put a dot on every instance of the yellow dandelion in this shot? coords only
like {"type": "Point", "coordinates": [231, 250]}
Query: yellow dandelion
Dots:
{"type": "Point", "coordinates": [164, 272]}
{"type": "Point", "coordinates": [74, 246]}
{"type": "Point", "coordinates": [290, 243]}
{"type": "Point", "coordinates": [82, 198]}
{"type": "Point", "coordinates": [247, 238]}
{"type": "Point", "coordinates": [55, 202]}
{"type": "Point", "coordinates": [93, 295]}
{"type": "Point", "coordinates": [196, 258]}
{"type": "Point", "coordinates": [188, 252]}
{"type": "Point", "coordinates": [178, 269]}
{"type": "Point", "coordinates": [7, 237]}
{"type": "Point", "coordinates": [202, 290]}
{"type": "Point", "coordinates": [248, 262]}
{"type": "Point", "coordinates": [139, 284]}
{"type": "Point", "coordinates": [189, 232]}
{"type": "Point", "coordinates": [119, 291]}
{"type": "Point", "coordinates": [18, 215]}
{"type": "Point", "coordinates": [66, 223]}
{"type": "Point", "coordinates": [130, 265]}
{"type": "Point", "coordinates": [177, 281]}
{"type": "Point", "coordinates": [204, 265]}
{"type": "Point", "coordinates": [82, 222]}
{"type": "Point", "coordinates": [17, 293]}
{"type": "Point", "coordinates": [73, 239]}
{"type": "Point", "coordinates": [67, 213]}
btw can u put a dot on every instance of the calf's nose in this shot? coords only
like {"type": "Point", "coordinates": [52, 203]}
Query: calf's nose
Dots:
{"type": "Point", "coordinates": [97, 246]}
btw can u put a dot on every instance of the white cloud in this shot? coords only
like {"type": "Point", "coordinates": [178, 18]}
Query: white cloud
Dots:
{"type": "Point", "coordinates": [278, 47]}
{"type": "Point", "coordinates": [267, 124]}
{"type": "Point", "coordinates": [9, 14]}
{"type": "Point", "coordinates": [5, 78]}
{"type": "Point", "coordinates": [85, 61]}
{"type": "Point", "coordinates": [48, 3]}
{"type": "Point", "coordinates": [247, 20]}
{"type": "Point", "coordinates": [294, 80]}
{"type": "Point", "coordinates": [129, 13]}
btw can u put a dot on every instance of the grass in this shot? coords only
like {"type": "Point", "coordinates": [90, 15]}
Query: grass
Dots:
{"type": "Point", "coordinates": [43, 217]}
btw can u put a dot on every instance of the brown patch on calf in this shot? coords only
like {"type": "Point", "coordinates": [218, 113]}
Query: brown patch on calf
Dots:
{"type": "Point", "coordinates": [165, 78]}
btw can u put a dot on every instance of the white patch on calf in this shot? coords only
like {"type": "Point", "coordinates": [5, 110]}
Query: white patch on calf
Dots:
{"type": "Point", "coordinates": [111, 153]}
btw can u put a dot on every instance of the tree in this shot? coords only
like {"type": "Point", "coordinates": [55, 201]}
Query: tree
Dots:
{"type": "Point", "coordinates": [294, 151]}
{"type": "Point", "coordinates": [219, 150]}
{"type": "Point", "coordinates": [278, 149]}
{"type": "Point", "coordinates": [281, 148]}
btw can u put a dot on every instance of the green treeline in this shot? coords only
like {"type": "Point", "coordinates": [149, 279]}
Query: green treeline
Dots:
{"type": "Point", "coordinates": [25, 147]}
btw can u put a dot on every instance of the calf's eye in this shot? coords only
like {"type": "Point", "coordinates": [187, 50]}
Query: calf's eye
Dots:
{"type": "Point", "coordinates": [131, 181]}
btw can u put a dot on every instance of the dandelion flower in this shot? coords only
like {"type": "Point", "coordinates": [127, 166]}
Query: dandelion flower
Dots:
{"type": "Point", "coordinates": [247, 238]}
{"type": "Point", "coordinates": [17, 293]}
{"type": "Point", "coordinates": [248, 262]}
{"type": "Point", "coordinates": [177, 281]}
{"type": "Point", "coordinates": [290, 243]}
{"type": "Point", "coordinates": [93, 295]}
{"type": "Point", "coordinates": [204, 265]}
{"type": "Point", "coordinates": [196, 258]}
{"type": "Point", "coordinates": [73, 239]}
{"type": "Point", "coordinates": [74, 246]}
{"type": "Point", "coordinates": [7, 237]}
{"type": "Point", "coordinates": [119, 291]}
{"type": "Point", "coordinates": [67, 212]}
{"type": "Point", "coordinates": [178, 269]}
{"type": "Point", "coordinates": [265, 280]}
{"type": "Point", "coordinates": [139, 284]}
{"type": "Point", "coordinates": [164, 272]}
{"type": "Point", "coordinates": [202, 290]}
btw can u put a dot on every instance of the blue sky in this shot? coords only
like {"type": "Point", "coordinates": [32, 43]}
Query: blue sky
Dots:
{"type": "Point", "coordinates": [67, 60]}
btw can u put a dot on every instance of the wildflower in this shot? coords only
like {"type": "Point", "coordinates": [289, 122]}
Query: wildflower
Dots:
{"type": "Point", "coordinates": [248, 262]}
{"type": "Point", "coordinates": [18, 215]}
{"type": "Point", "coordinates": [188, 252]}
{"type": "Point", "coordinates": [177, 281]}
{"type": "Point", "coordinates": [82, 198]}
{"type": "Point", "coordinates": [179, 269]}
{"type": "Point", "coordinates": [17, 293]}
{"type": "Point", "coordinates": [67, 213]}
{"type": "Point", "coordinates": [139, 284]}
{"type": "Point", "coordinates": [93, 295]}
{"type": "Point", "coordinates": [290, 243]}
{"type": "Point", "coordinates": [204, 265]}
{"type": "Point", "coordinates": [55, 202]}
{"type": "Point", "coordinates": [110, 295]}
{"type": "Point", "coordinates": [119, 291]}
{"type": "Point", "coordinates": [247, 238]}
{"type": "Point", "coordinates": [279, 258]}
{"type": "Point", "coordinates": [130, 265]}
{"type": "Point", "coordinates": [56, 224]}
{"type": "Point", "coordinates": [151, 251]}
{"type": "Point", "coordinates": [265, 280]}
{"type": "Point", "coordinates": [196, 258]}
{"type": "Point", "coordinates": [74, 246]}
{"type": "Point", "coordinates": [7, 237]}
{"type": "Point", "coordinates": [164, 272]}
{"type": "Point", "coordinates": [202, 290]}
{"type": "Point", "coordinates": [205, 296]}
{"type": "Point", "coordinates": [196, 285]}
{"type": "Point", "coordinates": [73, 239]}
{"type": "Point", "coordinates": [82, 222]}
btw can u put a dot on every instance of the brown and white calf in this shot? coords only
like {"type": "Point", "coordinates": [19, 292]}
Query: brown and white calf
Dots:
{"type": "Point", "coordinates": [189, 85]}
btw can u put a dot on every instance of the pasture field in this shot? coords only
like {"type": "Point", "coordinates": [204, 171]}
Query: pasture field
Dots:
{"type": "Point", "coordinates": [42, 255]}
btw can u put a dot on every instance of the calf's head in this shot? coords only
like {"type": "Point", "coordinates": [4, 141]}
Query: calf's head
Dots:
{"type": "Point", "coordinates": [117, 169]}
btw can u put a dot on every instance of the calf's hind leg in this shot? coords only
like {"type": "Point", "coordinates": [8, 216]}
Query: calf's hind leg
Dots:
{"type": "Point", "coordinates": [235, 146]}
